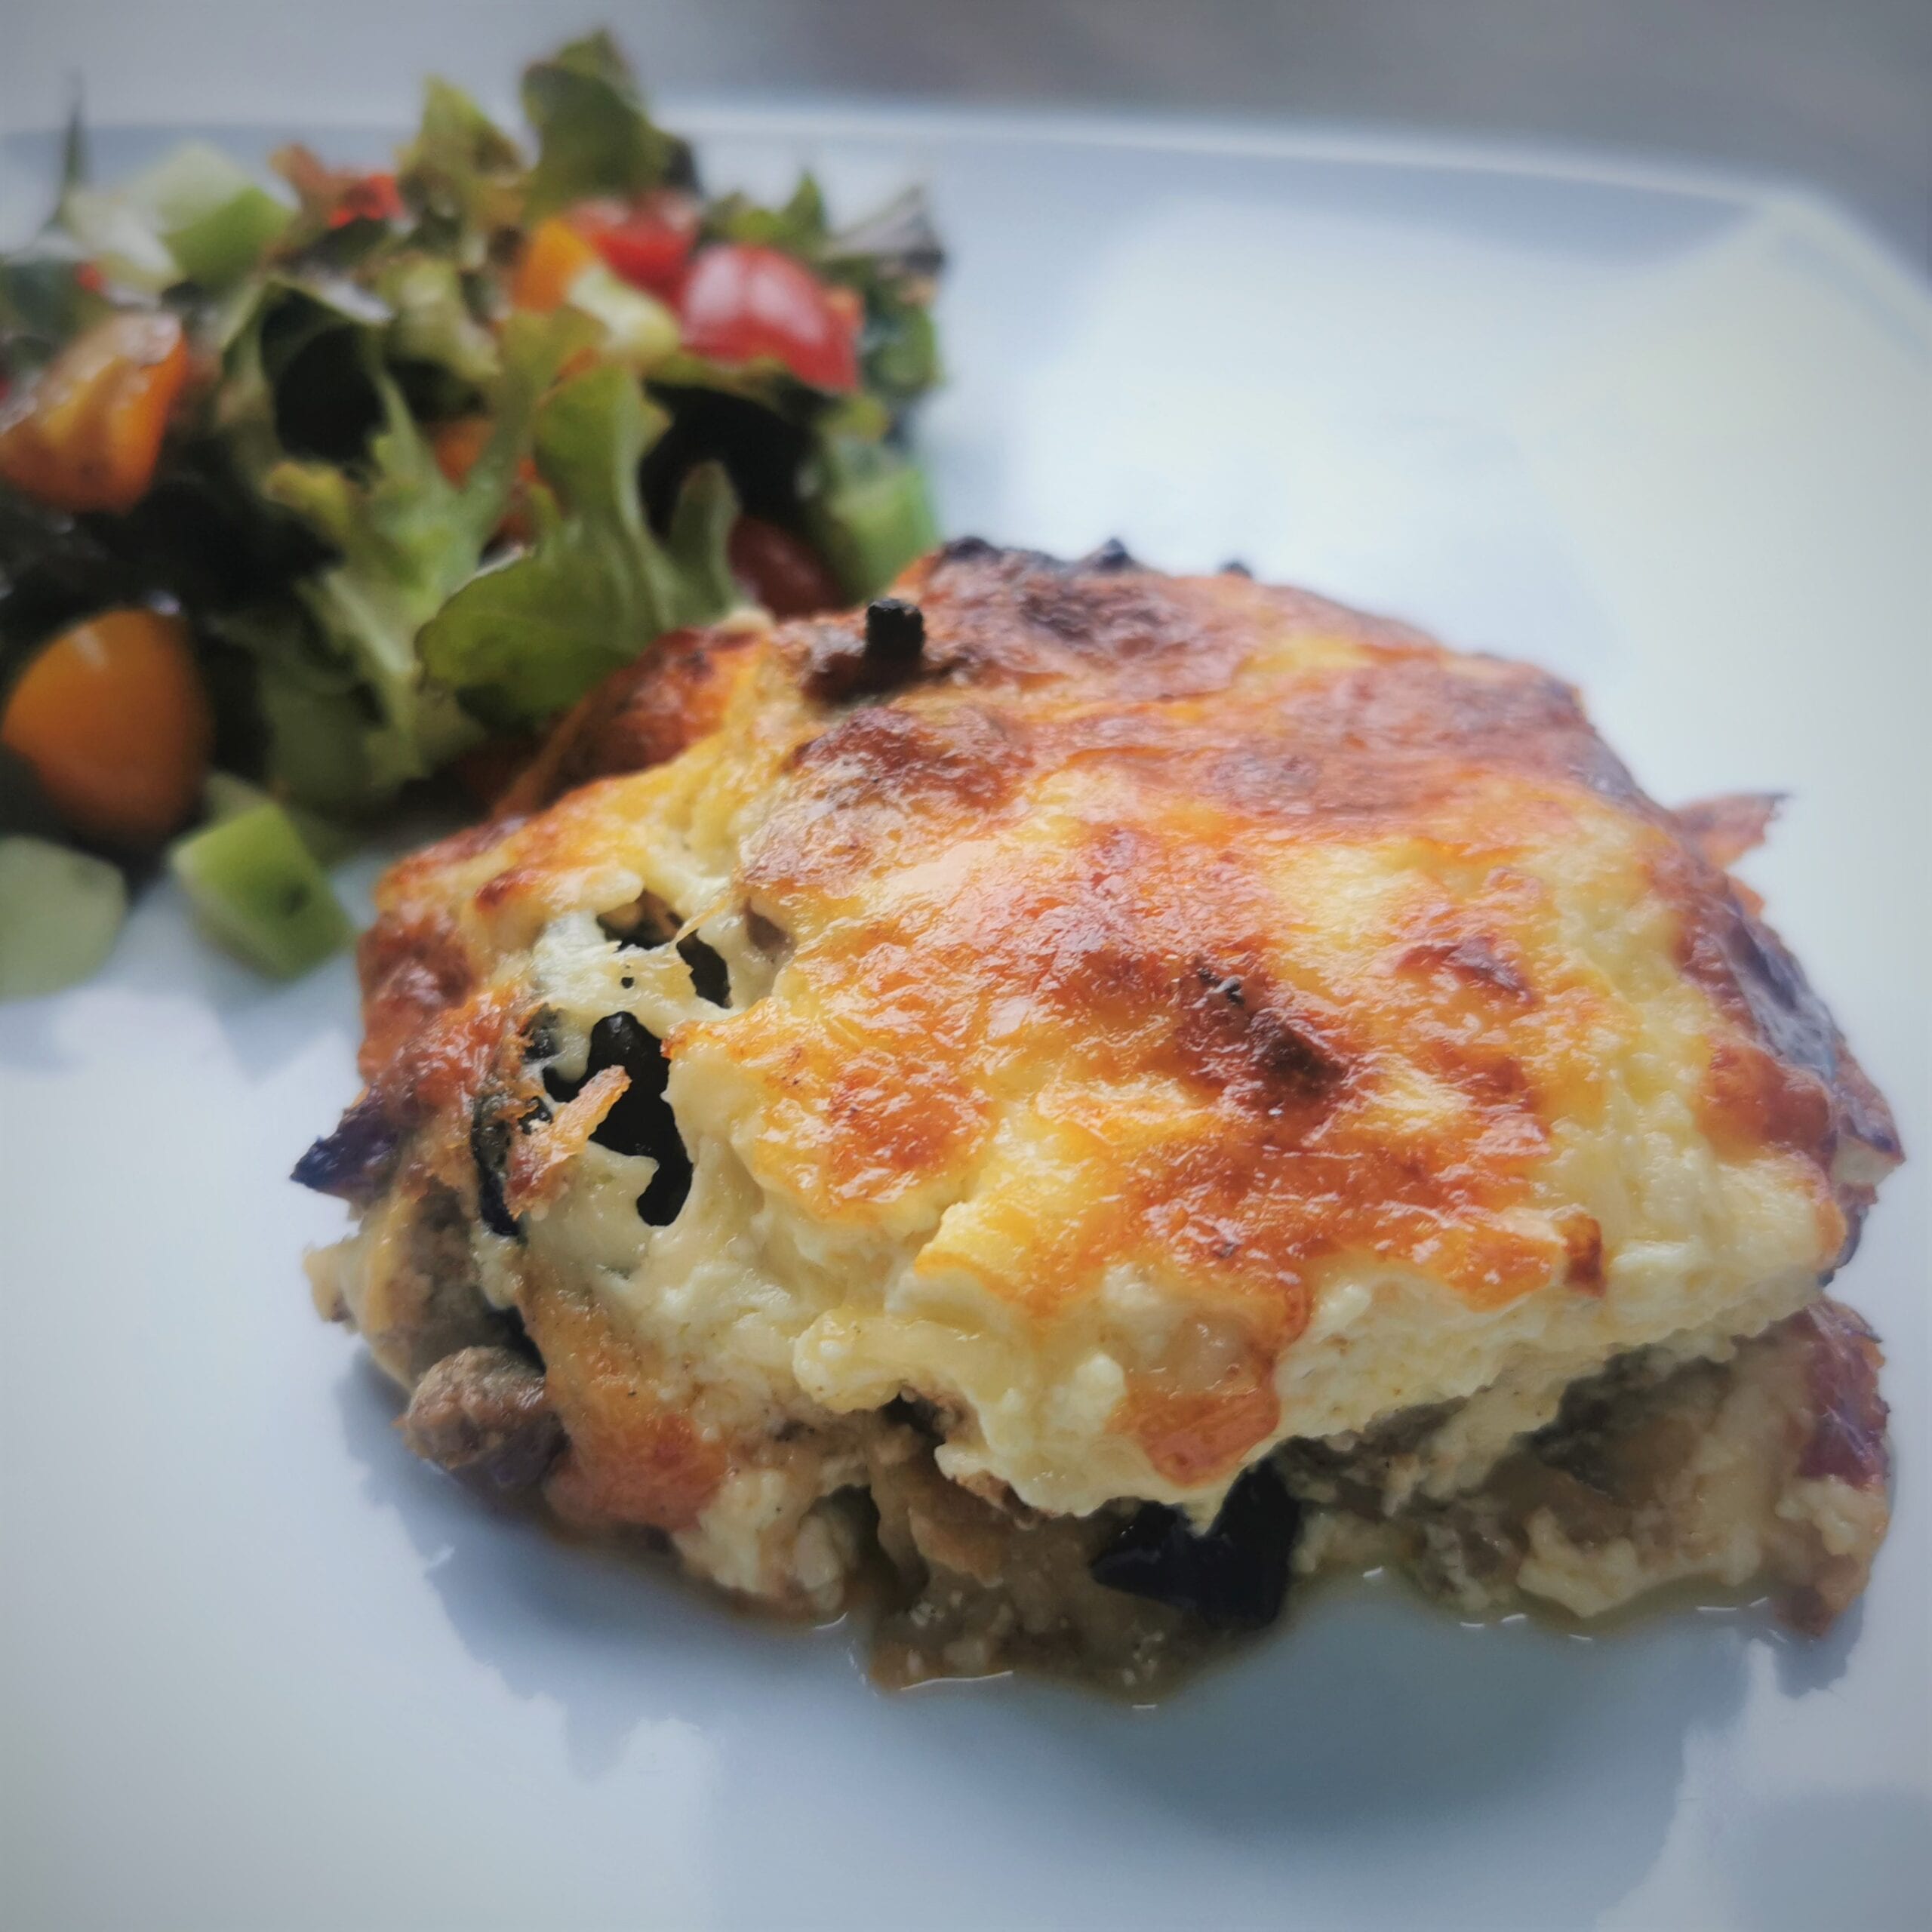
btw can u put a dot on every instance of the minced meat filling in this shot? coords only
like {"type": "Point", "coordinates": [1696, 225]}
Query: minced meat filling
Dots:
{"type": "Point", "coordinates": [1657, 1470]}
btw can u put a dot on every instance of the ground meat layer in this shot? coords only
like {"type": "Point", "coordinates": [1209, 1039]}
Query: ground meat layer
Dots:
{"type": "Point", "coordinates": [1766, 1466]}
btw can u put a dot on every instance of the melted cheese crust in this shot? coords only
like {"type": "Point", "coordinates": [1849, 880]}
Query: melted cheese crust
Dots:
{"type": "Point", "coordinates": [1186, 1015]}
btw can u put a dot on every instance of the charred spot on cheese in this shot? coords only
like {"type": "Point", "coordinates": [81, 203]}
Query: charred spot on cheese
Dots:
{"type": "Point", "coordinates": [886, 653]}
{"type": "Point", "coordinates": [1256, 1047]}
{"type": "Point", "coordinates": [1113, 555]}
{"type": "Point", "coordinates": [1233, 1575]}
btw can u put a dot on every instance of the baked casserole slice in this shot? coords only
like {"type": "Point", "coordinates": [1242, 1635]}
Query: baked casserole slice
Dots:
{"type": "Point", "coordinates": [1085, 1095]}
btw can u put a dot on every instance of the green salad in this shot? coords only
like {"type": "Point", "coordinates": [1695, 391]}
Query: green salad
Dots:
{"type": "Point", "coordinates": [318, 490]}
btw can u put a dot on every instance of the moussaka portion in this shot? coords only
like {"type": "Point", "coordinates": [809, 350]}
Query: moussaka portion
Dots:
{"type": "Point", "coordinates": [1086, 1092]}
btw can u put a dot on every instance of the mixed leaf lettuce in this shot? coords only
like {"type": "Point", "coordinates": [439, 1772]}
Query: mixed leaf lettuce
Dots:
{"type": "Point", "coordinates": [369, 604]}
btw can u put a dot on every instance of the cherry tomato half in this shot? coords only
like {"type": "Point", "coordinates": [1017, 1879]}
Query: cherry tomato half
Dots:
{"type": "Point", "coordinates": [87, 434]}
{"type": "Point", "coordinates": [114, 720]}
{"type": "Point", "coordinates": [781, 571]}
{"type": "Point", "coordinates": [647, 242]}
{"type": "Point", "coordinates": [741, 301]}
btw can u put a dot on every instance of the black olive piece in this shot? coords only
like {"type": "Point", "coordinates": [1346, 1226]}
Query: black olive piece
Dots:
{"type": "Point", "coordinates": [539, 1036]}
{"type": "Point", "coordinates": [1234, 567]}
{"type": "Point", "coordinates": [710, 977]}
{"type": "Point", "coordinates": [895, 634]}
{"type": "Point", "coordinates": [1113, 555]}
{"type": "Point", "coordinates": [1233, 1577]}
{"type": "Point", "coordinates": [641, 1122]}
{"type": "Point", "coordinates": [489, 1149]}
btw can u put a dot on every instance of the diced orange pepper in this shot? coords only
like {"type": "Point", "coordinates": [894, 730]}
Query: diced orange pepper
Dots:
{"type": "Point", "coordinates": [113, 718]}
{"type": "Point", "coordinates": [553, 258]}
{"type": "Point", "coordinates": [87, 435]}
{"type": "Point", "coordinates": [456, 445]}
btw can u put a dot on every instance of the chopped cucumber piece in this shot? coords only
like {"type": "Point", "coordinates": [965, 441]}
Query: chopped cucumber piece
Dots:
{"type": "Point", "coordinates": [259, 891]}
{"type": "Point", "coordinates": [226, 795]}
{"type": "Point", "coordinates": [873, 521]}
{"type": "Point", "coordinates": [59, 912]}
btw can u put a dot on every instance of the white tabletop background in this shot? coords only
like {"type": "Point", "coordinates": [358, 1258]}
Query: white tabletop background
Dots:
{"type": "Point", "coordinates": [1836, 94]}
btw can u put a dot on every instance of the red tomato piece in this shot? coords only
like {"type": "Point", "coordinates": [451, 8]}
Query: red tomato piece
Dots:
{"type": "Point", "coordinates": [647, 242]}
{"type": "Point", "coordinates": [372, 197]}
{"type": "Point", "coordinates": [740, 302]}
{"type": "Point", "coordinates": [781, 571]}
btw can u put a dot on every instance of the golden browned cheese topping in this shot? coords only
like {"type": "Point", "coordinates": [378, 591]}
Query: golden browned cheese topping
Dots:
{"type": "Point", "coordinates": [1182, 991]}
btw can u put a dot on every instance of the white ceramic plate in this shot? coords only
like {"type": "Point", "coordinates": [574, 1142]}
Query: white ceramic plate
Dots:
{"type": "Point", "coordinates": [262, 1669]}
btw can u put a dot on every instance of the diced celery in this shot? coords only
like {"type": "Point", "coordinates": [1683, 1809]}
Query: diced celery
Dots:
{"type": "Point", "coordinates": [871, 521]}
{"type": "Point", "coordinates": [638, 329]}
{"type": "Point", "coordinates": [259, 891]}
{"type": "Point", "coordinates": [58, 911]}
{"type": "Point", "coordinates": [196, 200]}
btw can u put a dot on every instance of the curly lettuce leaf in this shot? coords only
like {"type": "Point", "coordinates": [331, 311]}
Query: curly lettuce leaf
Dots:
{"type": "Point", "coordinates": [464, 175]}
{"type": "Point", "coordinates": [433, 321]}
{"type": "Point", "coordinates": [524, 640]}
{"type": "Point", "coordinates": [593, 135]}
{"type": "Point", "coordinates": [408, 538]}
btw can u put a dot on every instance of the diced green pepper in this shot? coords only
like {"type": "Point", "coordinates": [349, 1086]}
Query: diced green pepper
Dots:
{"type": "Point", "coordinates": [874, 519]}
{"type": "Point", "coordinates": [259, 891]}
{"type": "Point", "coordinates": [60, 911]}
{"type": "Point", "coordinates": [225, 795]}
{"type": "Point", "coordinates": [223, 242]}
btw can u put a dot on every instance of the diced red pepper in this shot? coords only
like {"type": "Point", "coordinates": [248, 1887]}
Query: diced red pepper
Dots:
{"type": "Point", "coordinates": [369, 197]}
{"type": "Point", "coordinates": [87, 435]}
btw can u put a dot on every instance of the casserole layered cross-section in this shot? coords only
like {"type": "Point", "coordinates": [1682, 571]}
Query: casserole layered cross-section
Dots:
{"type": "Point", "coordinates": [1083, 1093]}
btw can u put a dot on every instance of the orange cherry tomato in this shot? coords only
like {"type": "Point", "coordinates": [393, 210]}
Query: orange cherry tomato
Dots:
{"type": "Point", "coordinates": [552, 259]}
{"type": "Point", "coordinates": [87, 435]}
{"type": "Point", "coordinates": [113, 718]}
